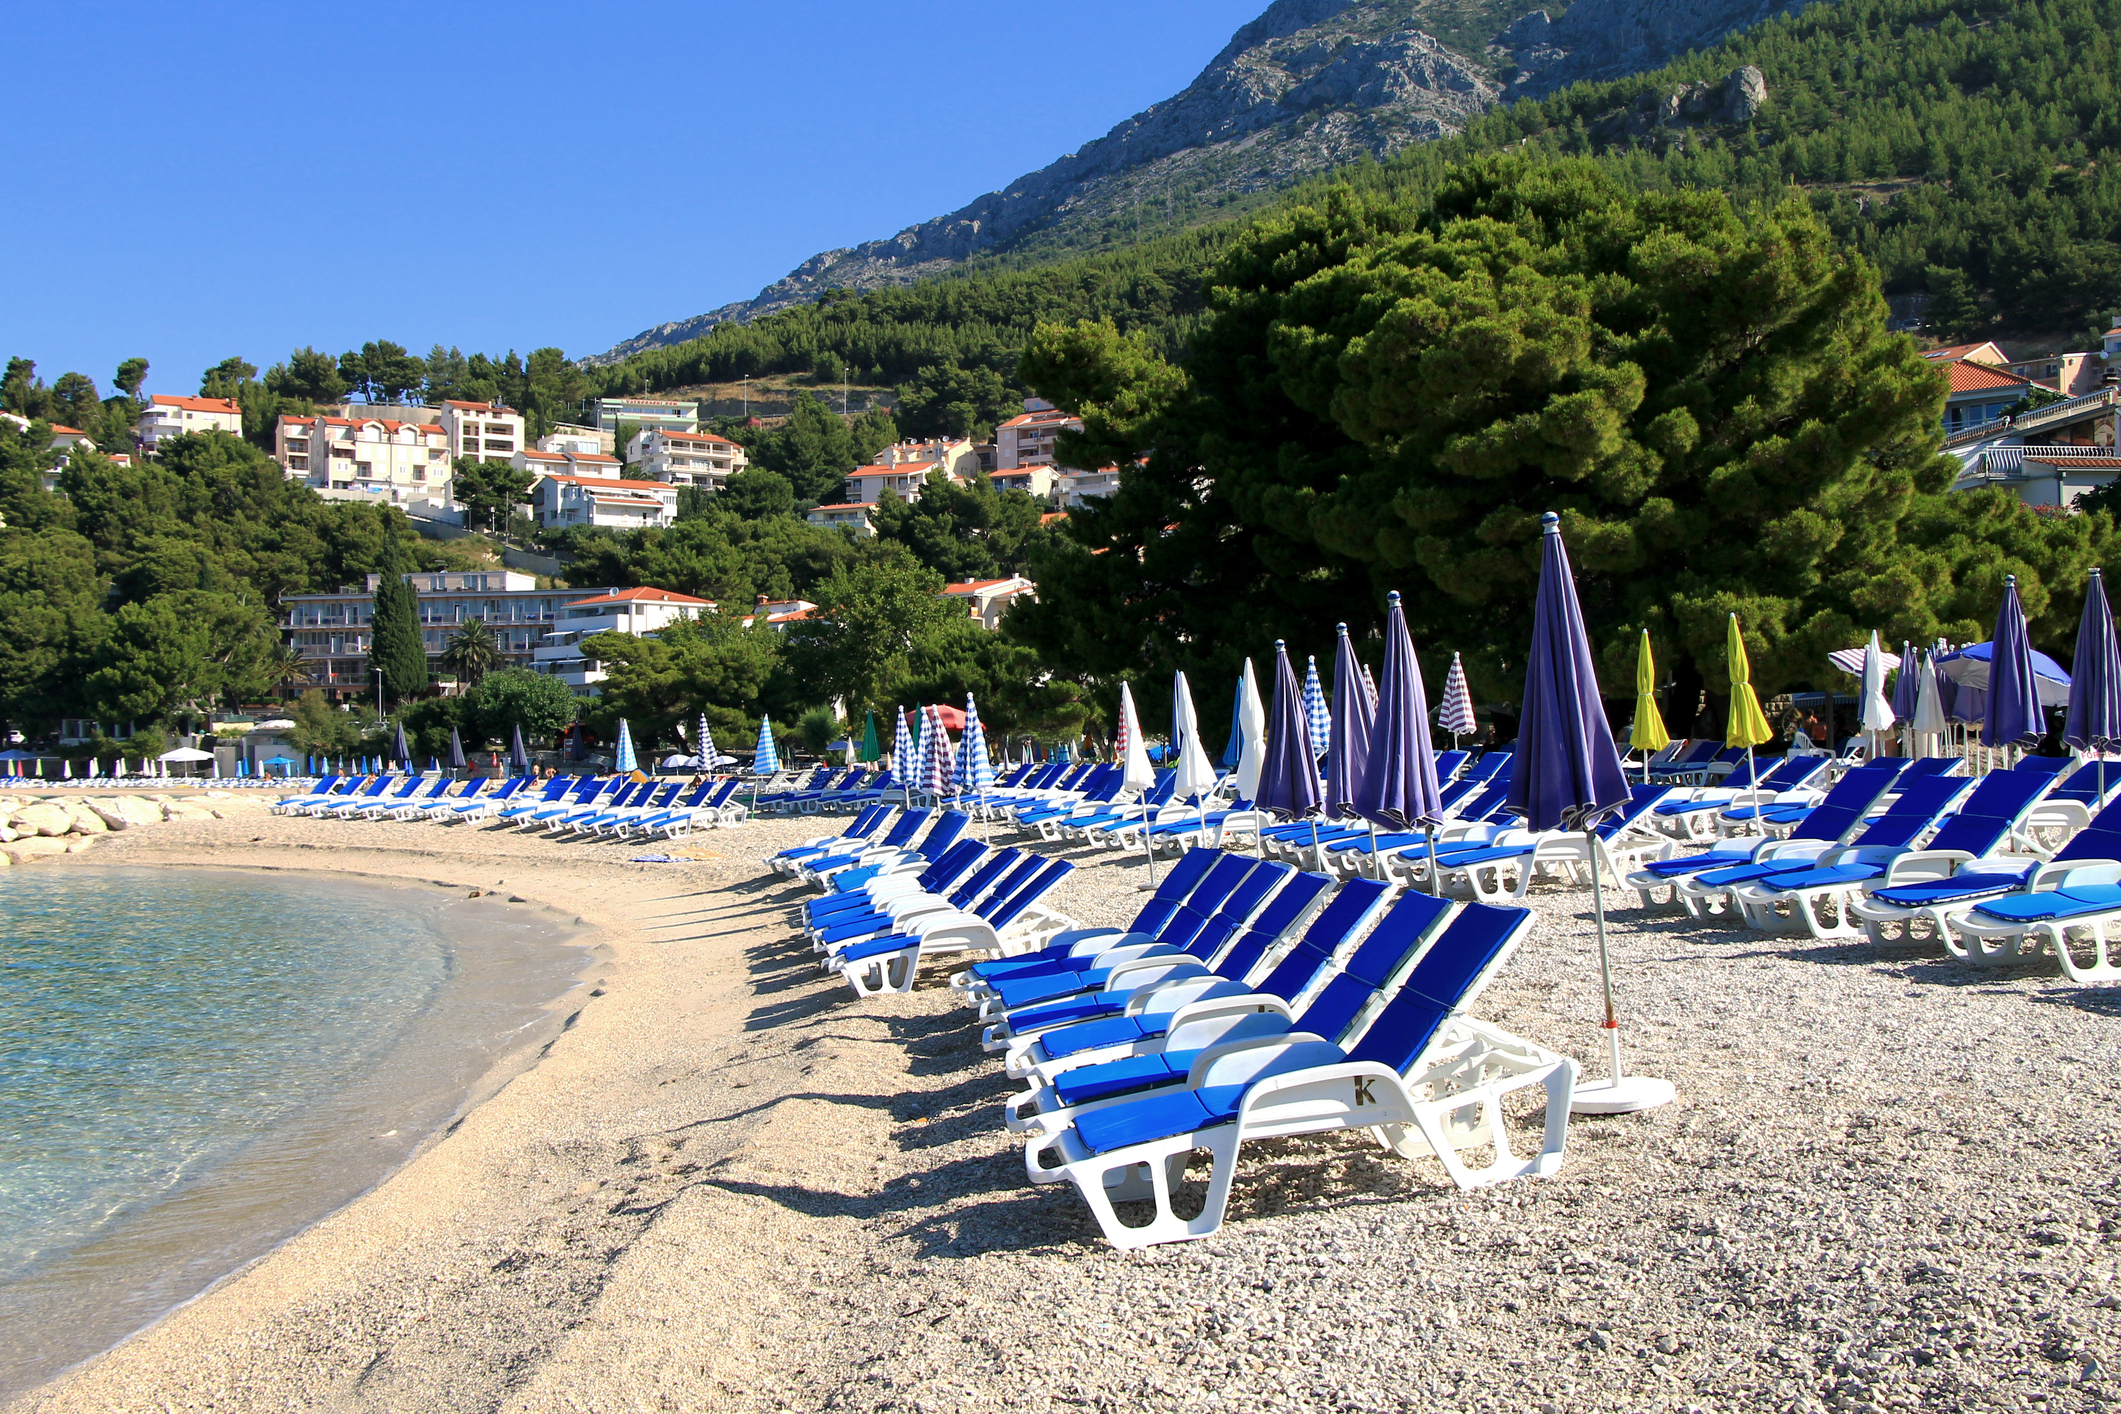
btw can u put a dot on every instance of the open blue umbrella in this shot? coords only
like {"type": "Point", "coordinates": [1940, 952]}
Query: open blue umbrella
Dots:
{"type": "Point", "coordinates": [2094, 721]}
{"type": "Point", "coordinates": [765, 757]}
{"type": "Point", "coordinates": [1399, 789]}
{"type": "Point", "coordinates": [2014, 717]}
{"type": "Point", "coordinates": [1288, 779]}
{"type": "Point", "coordinates": [1353, 715]}
{"type": "Point", "coordinates": [1568, 777]}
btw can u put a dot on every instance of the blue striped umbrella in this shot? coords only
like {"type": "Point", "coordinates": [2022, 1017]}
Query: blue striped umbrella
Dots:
{"type": "Point", "coordinates": [765, 759]}
{"type": "Point", "coordinates": [1315, 713]}
{"type": "Point", "coordinates": [903, 769]}
{"type": "Point", "coordinates": [936, 779]}
{"type": "Point", "coordinates": [623, 762]}
{"type": "Point", "coordinates": [978, 773]}
{"type": "Point", "coordinates": [705, 746]}
{"type": "Point", "coordinates": [1456, 714]}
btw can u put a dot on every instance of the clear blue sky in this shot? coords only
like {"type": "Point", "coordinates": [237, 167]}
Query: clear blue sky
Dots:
{"type": "Point", "coordinates": [198, 180]}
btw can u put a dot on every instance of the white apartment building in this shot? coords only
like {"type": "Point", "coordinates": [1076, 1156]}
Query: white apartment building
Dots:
{"type": "Point", "coordinates": [684, 458]}
{"type": "Point", "coordinates": [168, 417]}
{"type": "Point", "coordinates": [851, 515]}
{"type": "Point", "coordinates": [988, 599]}
{"type": "Point", "coordinates": [559, 501]}
{"type": "Point", "coordinates": [866, 485]}
{"type": "Point", "coordinates": [567, 464]}
{"type": "Point", "coordinates": [1036, 480]}
{"type": "Point", "coordinates": [1027, 440]}
{"type": "Point", "coordinates": [361, 459]}
{"type": "Point", "coordinates": [1075, 486]}
{"type": "Point", "coordinates": [484, 432]}
{"type": "Point", "coordinates": [663, 413]}
{"type": "Point", "coordinates": [634, 611]}
{"type": "Point", "coordinates": [331, 631]}
{"type": "Point", "coordinates": [959, 458]}
{"type": "Point", "coordinates": [573, 437]}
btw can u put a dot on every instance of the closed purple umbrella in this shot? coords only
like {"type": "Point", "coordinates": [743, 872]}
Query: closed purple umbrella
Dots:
{"type": "Point", "coordinates": [1350, 737]}
{"type": "Point", "coordinates": [2094, 721]}
{"type": "Point", "coordinates": [456, 751]}
{"type": "Point", "coordinates": [2014, 717]}
{"type": "Point", "coordinates": [403, 751]}
{"type": "Point", "coordinates": [1907, 694]}
{"type": "Point", "coordinates": [1568, 777]}
{"type": "Point", "coordinates": [1288, 782]}
{"type": "Point", "coordinates": [1399, 789]}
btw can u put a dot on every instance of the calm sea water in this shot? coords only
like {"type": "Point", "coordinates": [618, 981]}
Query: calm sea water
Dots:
{"type": "Point", "coordinates": [178, 1046]}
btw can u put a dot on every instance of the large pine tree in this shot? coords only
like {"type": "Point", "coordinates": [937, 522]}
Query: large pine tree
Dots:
{"type": "Point", "coordinates": [395, 648]}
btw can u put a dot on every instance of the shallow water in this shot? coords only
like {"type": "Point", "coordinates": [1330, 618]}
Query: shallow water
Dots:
{"type": "Point", "coordinates": [194, 1064]}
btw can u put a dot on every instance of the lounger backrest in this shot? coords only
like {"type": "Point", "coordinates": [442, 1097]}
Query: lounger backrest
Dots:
{"type": "Point", "coordinates": [1033, 890]}
{"type": "Point", "coordinates": [954, 862]}
{"type": "Point", "coordinates": [943, 834]}
{"type": "Point", "coordinates": [1447, 979]}
{"type": "Point", "coordinates": [1243, 901]}
{"type": "Point", "coordinates": [2101, 839]}
{"type": "Point", "coordinates": [1793, 772]}
{"type": "Point", "coordinates": [1450, 763]}
{"type": "Point", "coordinates": [1842, 810]}
{"type": "Point", "coordinates": [1290, 902]}
{"type": "Point", "coordinates": [377, 786]}
{"type": "Point", "coordinates": [1340, 920]}
{"type": "Point", "coordinates": [1913, 811]}
{"type": "Point", "coordinates": [981, 878]}
{"type": "Point", "coordinates": [2082, 784]}
{"type": "Point", "coordinates": [2006, 795]}
{"type": "Point", "coordinates": [909, 825]}
{"type": "Point", "coordinates": [2042, 765]}
{"type": "Point", "coordinates": [866, 823]}
{"type": "Point", "coordinates": [1641, 800]}
{"type": "Point", "coordinates": [1350, 991]}
{"type": "Point", "coordinates": [1020, 870]}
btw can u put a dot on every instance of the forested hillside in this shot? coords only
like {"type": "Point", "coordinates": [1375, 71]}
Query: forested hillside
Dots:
{"type": "Point", "coordinates": [1965, 146]}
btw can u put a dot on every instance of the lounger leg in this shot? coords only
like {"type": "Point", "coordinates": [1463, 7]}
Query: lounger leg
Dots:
{"type": "Point", "coordinates": [2101, 971]}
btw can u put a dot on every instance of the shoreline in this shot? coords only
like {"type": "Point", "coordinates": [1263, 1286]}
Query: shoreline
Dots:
{"type": "Point", "coordinates": [503, 994]}
{"type": "Point", "coordinates": [1887, 1183]}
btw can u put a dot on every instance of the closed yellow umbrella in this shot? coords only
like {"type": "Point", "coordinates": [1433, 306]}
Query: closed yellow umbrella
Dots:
{"type": "Point", "coordinates": [1649, 735]}
{"type": "Point", "coordinates": [1748, 724]}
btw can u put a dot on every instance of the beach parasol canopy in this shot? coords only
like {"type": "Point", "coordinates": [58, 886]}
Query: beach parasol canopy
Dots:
{"type": "Point", "coordinates": [1568, 776]}
{"type": "Point", "coordinates": [456, 751]}
{"type": "Point", "coordinates": [1136, 774]}
{"type": "Point", "coordinates": [871, 748]}
{"type": "Point", "coordinates": [403, 751]}
{"type": "Point", "coordinates": [1399, 789]}
{"type": "Point", "coordinates": [623, 760]}
{"type": "Point", "coordinates": [518, 758]}
{"type": "Point", "coordinates": [1907, 687]}
{"type": "Point", "coordinates": [1354, 713]}
{"type": "Point", "coordinates": [1315, 715]}
{"type": "Point", "coordinates": [905, 767]}
{"type": "Point", "coordinates": [1876, 713]}
{"type": "Point", "coordinates": [703, 746]}
{"type": "Point", "coordinates": [1288, 783]}
{"type": "Point", "coordinates": [1456, 714]}
{"type": "Point", "coordinates": [938, 778]}
{"type": "Point", "coordinates": [2094, 721]}
{"type": "Point", "coordinates": [1850, 660]}
{"type": "Point", "coordinates": [1195, 773]}
{"type": "Point", "coordinates": [765, 758]}
{"type": "Point", "coordinates": [1252, 730]}
{"type": "Point", "coordinates": [1235, 749]}
{"type": "Point", "coordinates": [2013, 717]}
{"type": "Point", "coordinates": [978, 775]}
{"type": "Point", "coordinates": [1747, 724]}
{"type": "Point", "coordinates": [1648, 734]}
{"type": "Point", "coordinates": [1929, 718]}
{"type": "Point", "coordinates": [186, 753]}
{"type": "Point", "coordinates": [1967, 669]}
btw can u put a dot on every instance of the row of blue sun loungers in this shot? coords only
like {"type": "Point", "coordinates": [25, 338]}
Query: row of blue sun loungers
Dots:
{"type": "Point", "coordinates": [1249, 998]}
{"type": "Point", "coordinates": [614, 806]}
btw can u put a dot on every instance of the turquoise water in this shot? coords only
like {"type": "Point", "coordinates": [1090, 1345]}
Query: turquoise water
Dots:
{"type": "Point", "coordinates": [194, 1064]}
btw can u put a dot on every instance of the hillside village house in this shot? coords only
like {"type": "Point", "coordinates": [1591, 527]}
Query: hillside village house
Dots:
{"type": "Point", "coordinates": [636, 611]}
{"type": "Point", "coordinates": [684, 458]}
{"type": "Point", "coordinates": [484, 432]}
{"type": "Point", "coordinates": [568, 438]}
{"type": "Point", "coordinates": [368, 459]}
{"type": "Point", "coordinates": [331, 631]}
{"type": "Point", "coordinates": [988, 599]}
{"type": "Point", "coordinates": [558, 501]}
{"type": "Point", "coordinates": [954, 455]}
{"type": "Point", "coordinates": [1023, 448]}
{"type": "Point", "coordinates": [169, 417]}
{"type": "Point", "coordinates": [1075, 486]}
{"type": "Point", "coordinates": [64, 441]}
{"type": "Point", "coordinates": [663, 414]}
{"type": "Point", "coordinates": [853, 515]}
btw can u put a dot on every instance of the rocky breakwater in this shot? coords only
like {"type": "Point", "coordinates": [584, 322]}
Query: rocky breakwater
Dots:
{"type": "Point", "coordinates": [33, 829]}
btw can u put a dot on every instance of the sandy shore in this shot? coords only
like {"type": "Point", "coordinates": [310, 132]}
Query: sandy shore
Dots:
{"type": "Point", "coordinates": [1889, 1182]}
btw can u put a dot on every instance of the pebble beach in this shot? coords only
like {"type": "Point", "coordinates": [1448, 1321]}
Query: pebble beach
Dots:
{"type": "Point", "coordinates": [1889, 1182]}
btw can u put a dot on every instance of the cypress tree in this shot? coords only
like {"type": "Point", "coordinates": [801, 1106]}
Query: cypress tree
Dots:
{"type": "Point", "coordinates": [394, 645]}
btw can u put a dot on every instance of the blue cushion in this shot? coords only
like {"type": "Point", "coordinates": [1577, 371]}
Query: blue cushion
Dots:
{"type": "Point", "coordinates": [1924, 892]}
{"type": "Point", "coordinates": [1089, 1006]}
{"type": "Point", "coordinates": [2052, 903]}
{"type": "Point", "coordinates": [1095, 1035]}
{"type": "Point", "coordinates": [1825, 876]}
{"type": "Point", "coordinates": [1120, 1077]}
{"type": "Point", "coordinates": [885, 943]}
{"type": "Point", "coordinates": [1158, 1117]}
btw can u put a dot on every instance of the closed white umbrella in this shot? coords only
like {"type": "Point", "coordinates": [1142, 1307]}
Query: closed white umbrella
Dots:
{"type": "Point", "coordinates": [1195, 773]}
{"type": "Point", "coordinates": [1877, 712]}
{"type": "Point", "coordinates": [1252, 729]}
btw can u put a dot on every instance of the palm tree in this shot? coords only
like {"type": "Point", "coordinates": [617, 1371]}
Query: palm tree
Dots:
{"type": "Point", "coordinates": [472, 652]}
{"type": "Point", "coordinates": [285, 667]}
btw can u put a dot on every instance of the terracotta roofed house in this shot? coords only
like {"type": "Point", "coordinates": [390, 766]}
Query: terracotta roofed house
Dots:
{"type": "Point", "coordinates": [684, 458]}
{"type": "Point", "coordinates": [561, 500]}
{"type": "Point", "coordinates": [168, 416]}
{"type": "Point", "coordinates": [988, 599]}
{"type": "Point", "coordinates": [486, 432]}
{"type": "Point", "coordinates": [1980, 394]}
{"type": "Point", "coordinates": [640, 611]}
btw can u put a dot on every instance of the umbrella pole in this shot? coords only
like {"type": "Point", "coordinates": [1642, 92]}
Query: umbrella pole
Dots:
{"type": "Point", "coordinates": [1621, 1094]}
{"type": "Point", "coordinates": [1377, 866]}
{"type": "Point", "coordinates": [1435, 877]}
{"type": "Point", "coordinates": [1317, 860]}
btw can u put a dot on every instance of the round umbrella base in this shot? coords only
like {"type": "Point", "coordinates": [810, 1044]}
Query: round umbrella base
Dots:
{"type": "Point", "coordinates": [1623, 1096]}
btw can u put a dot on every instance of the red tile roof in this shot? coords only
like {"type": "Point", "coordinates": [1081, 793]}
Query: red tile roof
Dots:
{"type": "Point", "coordinates": [642, 595]}
{"type": "Point", "coordinates": [605, 483]}
{"type": "Point", "coordinates": [846, 506]}
{"type": "Point", "coordinates": [221, 405]}
{"type": "Point", "coordinates": [974, 586]}
{"type": "Point", "coordinates": [59, 430]}
{"type": "Point", "coordinates": [2069, 462]}
{"type": "Point", "coordinates": [690, 437]}
{"type": "Point", "coordinates": [1979, 377]}
{"type": "Point", "coordinates": [479, 407]}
